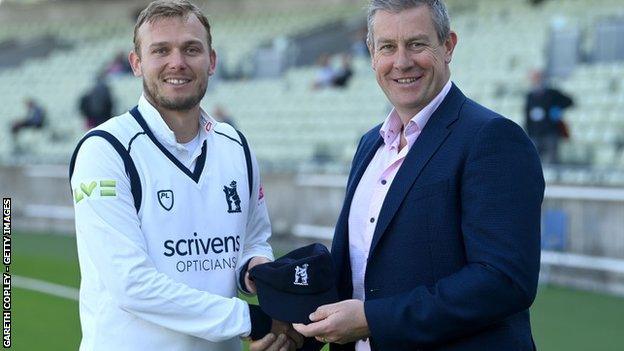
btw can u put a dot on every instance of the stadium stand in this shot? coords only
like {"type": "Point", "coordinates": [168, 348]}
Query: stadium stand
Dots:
{"type": "Point", "coordinates": [286, 121]}
{"type": "Point", "coordinates": [60, 78]}
{"type": "Point", "coordinates": [296, 129]}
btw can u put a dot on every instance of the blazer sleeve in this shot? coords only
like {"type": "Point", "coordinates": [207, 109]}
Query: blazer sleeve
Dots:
{"type": "Point", "coordinates": [502, 188]}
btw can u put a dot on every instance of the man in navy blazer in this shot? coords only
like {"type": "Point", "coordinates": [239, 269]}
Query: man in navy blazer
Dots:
{"type": "Point", "coordinates": [437, 246]}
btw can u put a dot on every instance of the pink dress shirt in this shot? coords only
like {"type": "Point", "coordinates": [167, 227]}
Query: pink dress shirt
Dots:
{"type": "Point", "coordinates": [373, 187]}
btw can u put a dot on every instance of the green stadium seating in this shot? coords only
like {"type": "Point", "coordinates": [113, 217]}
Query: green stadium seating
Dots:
{"type": "Point", "coordinates": [285, 120]}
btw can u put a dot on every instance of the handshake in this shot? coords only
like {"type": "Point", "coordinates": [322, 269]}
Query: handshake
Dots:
{"type": "Point", "coordinates": [283, 337]}
{"type": "Point", "coordinates": [298, 288]}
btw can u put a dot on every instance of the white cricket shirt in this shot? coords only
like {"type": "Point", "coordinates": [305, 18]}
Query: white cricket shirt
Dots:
{"type": "Point", "coordinates": [165, 278]}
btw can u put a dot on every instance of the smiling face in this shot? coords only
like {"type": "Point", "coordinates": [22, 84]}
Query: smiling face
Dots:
{"type": "Point", "coordinates": [410, 62]}
{"type": "Point", "coordinates": [175, 62]}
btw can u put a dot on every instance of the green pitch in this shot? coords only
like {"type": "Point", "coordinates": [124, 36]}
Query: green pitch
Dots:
{"type": "Point", "coordinates": [562, 319]}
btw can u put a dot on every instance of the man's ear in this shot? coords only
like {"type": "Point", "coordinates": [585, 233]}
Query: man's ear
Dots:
{"type": "Point", "coordinates": [371, 51]}
{"type": "Point", "coordinates": [213, 62]}
{"type": "Point", "coordinates": [449, 45]}
{"type": "Point", "coordinates": [135, 63]}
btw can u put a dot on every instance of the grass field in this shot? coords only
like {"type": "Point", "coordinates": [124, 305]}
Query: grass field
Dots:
{"type": "Point", "coordinates": [562, 319]}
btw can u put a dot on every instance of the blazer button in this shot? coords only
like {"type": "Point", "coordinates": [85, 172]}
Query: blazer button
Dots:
{"type": "Point", "coordinates": [372, 220]}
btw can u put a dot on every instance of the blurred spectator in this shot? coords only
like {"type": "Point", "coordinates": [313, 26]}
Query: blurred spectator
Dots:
{"type": "Point", "coordinates": [544, 117]}
{"type": "Point", "coordinates": [35, 117]}
{"type": "Point", "coordinates": [221, 115]}
{"type": "Point", "coordinates": [96, 105]}
{"type": "Point", "coordinates": [327, 76]}
{"type": "Point", "coordinates": [324, 74]}
{"type": "Point", "coordinates": [119, 66]}
{"type": "Point", "coordinates": [342, 76]}
{"type": "Point", "coordinates": [322, 154]}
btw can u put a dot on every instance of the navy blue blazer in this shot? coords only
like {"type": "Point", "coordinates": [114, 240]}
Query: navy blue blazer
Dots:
{"type": "Point", "coordinates": [455, 255]}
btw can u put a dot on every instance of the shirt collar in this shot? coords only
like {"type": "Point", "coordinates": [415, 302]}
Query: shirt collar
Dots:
{"type": "Point", "coordinates": [161, 130]}
{"type": "Point", "coordinates": [392, 125]}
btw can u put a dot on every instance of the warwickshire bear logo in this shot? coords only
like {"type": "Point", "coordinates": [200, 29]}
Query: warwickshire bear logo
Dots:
{"type": "Point", "coordinates": [232, 198]}
{"type": "Point", "coordinates": [165, 198]}
{"type": "Point", "coordinates": [301, 275]}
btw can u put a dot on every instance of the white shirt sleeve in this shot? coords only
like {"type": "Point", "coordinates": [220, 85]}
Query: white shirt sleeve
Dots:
{"type": "Point", "coordinates": [109, 235]}
{"type": "Point", "coordinates": [258, 223]}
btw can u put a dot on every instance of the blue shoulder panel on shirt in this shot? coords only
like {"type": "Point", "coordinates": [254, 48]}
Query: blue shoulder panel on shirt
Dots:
{"type": "Point", "coordinates": [248, 161]}
{"type": "Point", "coordinates": [131, 171]}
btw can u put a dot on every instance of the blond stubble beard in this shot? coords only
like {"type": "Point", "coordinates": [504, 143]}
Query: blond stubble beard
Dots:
{"type": "Point", "coordinates": [181, 104]}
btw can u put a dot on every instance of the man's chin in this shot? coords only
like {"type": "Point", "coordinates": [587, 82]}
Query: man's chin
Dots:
{"type": "Point", "coordinates": [172, 101]}
{"type": "Point", "coordinates": [180, 104]}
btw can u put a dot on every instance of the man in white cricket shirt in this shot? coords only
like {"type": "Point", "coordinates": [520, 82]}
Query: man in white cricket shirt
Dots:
{"type": "Point", "coordinates": [169, 208]}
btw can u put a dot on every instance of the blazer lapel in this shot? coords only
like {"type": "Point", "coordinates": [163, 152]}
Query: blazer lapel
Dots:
{"type": "Point", "coordinates": [430, 139]}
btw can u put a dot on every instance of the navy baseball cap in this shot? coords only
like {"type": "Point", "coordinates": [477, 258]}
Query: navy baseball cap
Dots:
{"type": "Point", "coordinates": [294, 285]}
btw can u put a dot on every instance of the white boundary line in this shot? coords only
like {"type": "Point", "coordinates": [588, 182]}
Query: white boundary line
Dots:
{"type": "Point", "coordinates": [45, 287]}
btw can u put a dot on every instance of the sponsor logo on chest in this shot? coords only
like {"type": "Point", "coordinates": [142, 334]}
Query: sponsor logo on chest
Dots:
{"type": "Point", "coordinates": [203, 253]}
{"type": "Point", "coordinates": [165, 199]}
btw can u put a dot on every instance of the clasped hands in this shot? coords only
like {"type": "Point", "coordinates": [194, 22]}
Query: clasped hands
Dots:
{"type": "Point", "coordinates": [340, 323]}
{"type": "Point", "coordinates": [281, 338]}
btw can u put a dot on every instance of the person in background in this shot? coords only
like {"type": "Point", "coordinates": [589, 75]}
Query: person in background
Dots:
{"type": "Point", "coordinates": [35, 117]}
{"type": "Point", "coordinates": [96, 105]}
{"type": "Point", "coordinates": [543, 110]}
{"type": "Point", "coordinates": [324, 74]}
{"type": "Point", "coordinates": [118, 66]}
{"type": "Point", "coordinates": [343, 75]}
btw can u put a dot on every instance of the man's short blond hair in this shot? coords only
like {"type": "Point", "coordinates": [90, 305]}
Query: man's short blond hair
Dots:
{"type": "Point", "coordinates": [160, 9]}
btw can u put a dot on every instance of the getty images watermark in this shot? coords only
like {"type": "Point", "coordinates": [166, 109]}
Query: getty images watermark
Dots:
{"type": "Point", "coordinates": [6, 274]}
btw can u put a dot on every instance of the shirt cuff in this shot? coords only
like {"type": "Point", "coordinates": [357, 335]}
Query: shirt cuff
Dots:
{"type": "Point", "coordinates": [260, 322]}
{"type": "Point", "coordinates": [241, 277]}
